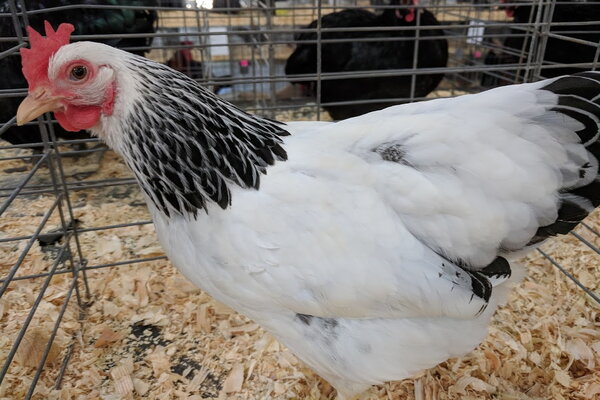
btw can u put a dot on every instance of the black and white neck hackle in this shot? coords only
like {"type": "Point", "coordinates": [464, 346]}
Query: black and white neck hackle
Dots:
{"type": "Point", "coordinates": [186, 146]}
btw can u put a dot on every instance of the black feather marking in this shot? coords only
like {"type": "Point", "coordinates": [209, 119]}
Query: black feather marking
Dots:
{"type": "Point", "coordinates": [592, 75]}
{"type": "Point", "coordinates": [304, 318]}
{"type": "Point", "coordinates": [243, 169]}
{"type": "Point", "coordinates": [557, 228]}
{"type": "Point", "coordinates": [174, 177]}
{"type": "Point", "coordinates": [171, 198]}
{"type": "Point", "coordinates": [500, 267]}
{"type": "Point", "coordinates": [579, 103]}
{"type": "Point", "coordinates": [590, 192]}
{"type": "Point", "coordinates": [279, 152]}
{"type": "Point", "coordinates": [480, 285]}
{"type": "Point", "coordinates": [195, 156]}
{"type": "Point", "coordinates": [325, 329]}
{"type": "Point", "coordinates": [195, 144]}
{"type": "Point", "coordinates": [571, 212]}
{"type": "Point", "coordinates": [575, 93]}
{"type": "Point", "coordinates": [594, 148]}
{"type": "Point", "coordinates": [281, 132]}
{"type": "Point", "coordinates": [266, 155]}
{"type": "Point", "coordinates": [574, 86]}
{"type": "Point", "coordinates": [569, 215]}
{"type": "Point", "coordinates": [223, 195]}
{"type": "Point", "coordinates": [328, 325]}
{"type": "Point", "coordinates": [195, 199]}
{"type": "Point", "coordinates": [393, 152]}
{"type": "Point", "coordinates": [584, 170]}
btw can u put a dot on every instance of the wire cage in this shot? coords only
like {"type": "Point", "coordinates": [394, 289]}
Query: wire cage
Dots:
{"type": "Point", "coordinates": [78, 255]}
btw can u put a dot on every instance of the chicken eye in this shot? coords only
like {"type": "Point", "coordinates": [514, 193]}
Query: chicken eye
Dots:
{"type": "Point", "coordinates": [78, 72]}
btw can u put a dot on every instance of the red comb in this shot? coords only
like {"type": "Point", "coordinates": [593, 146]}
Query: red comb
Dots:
{"type": "Point", "coordinates": [35, 60]}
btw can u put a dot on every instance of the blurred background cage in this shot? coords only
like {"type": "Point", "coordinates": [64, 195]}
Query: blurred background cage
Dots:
{"type": "Point", "coordinates": [73, 224]}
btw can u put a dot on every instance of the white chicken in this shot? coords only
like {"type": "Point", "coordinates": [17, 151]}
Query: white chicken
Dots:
{"type": "Point", "coordinates": [374, 247]}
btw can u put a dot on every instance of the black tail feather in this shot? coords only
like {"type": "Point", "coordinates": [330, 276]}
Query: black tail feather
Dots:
{"type": "Point", "coordinates": [578, 98]}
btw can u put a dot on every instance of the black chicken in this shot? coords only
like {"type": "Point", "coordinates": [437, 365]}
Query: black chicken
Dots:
{"type": "Point", "coordinates": [87, 21]}
{"type": "Point", "coordinates": [353, 55]}
{"type": "Point", "coordinates": [557, 50]}
{"type": "Point", "coordinates": [183, 61]}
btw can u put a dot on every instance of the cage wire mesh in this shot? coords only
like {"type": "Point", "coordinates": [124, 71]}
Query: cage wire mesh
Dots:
{"type": "Point", "coordinates": [70, 211]}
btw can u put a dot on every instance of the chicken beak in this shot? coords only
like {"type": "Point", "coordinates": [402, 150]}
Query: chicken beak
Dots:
{"type": "Point", "coordinates": [37, 103]}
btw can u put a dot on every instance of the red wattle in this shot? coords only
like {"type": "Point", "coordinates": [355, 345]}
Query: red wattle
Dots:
{"type": "Point", "coordinates": [76, 118]}
{"type": "Point", "coordinates": [64, 122]}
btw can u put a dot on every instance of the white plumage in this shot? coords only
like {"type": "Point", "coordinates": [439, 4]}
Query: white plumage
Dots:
{"type": "Point", "coordinates": [369, 250]}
